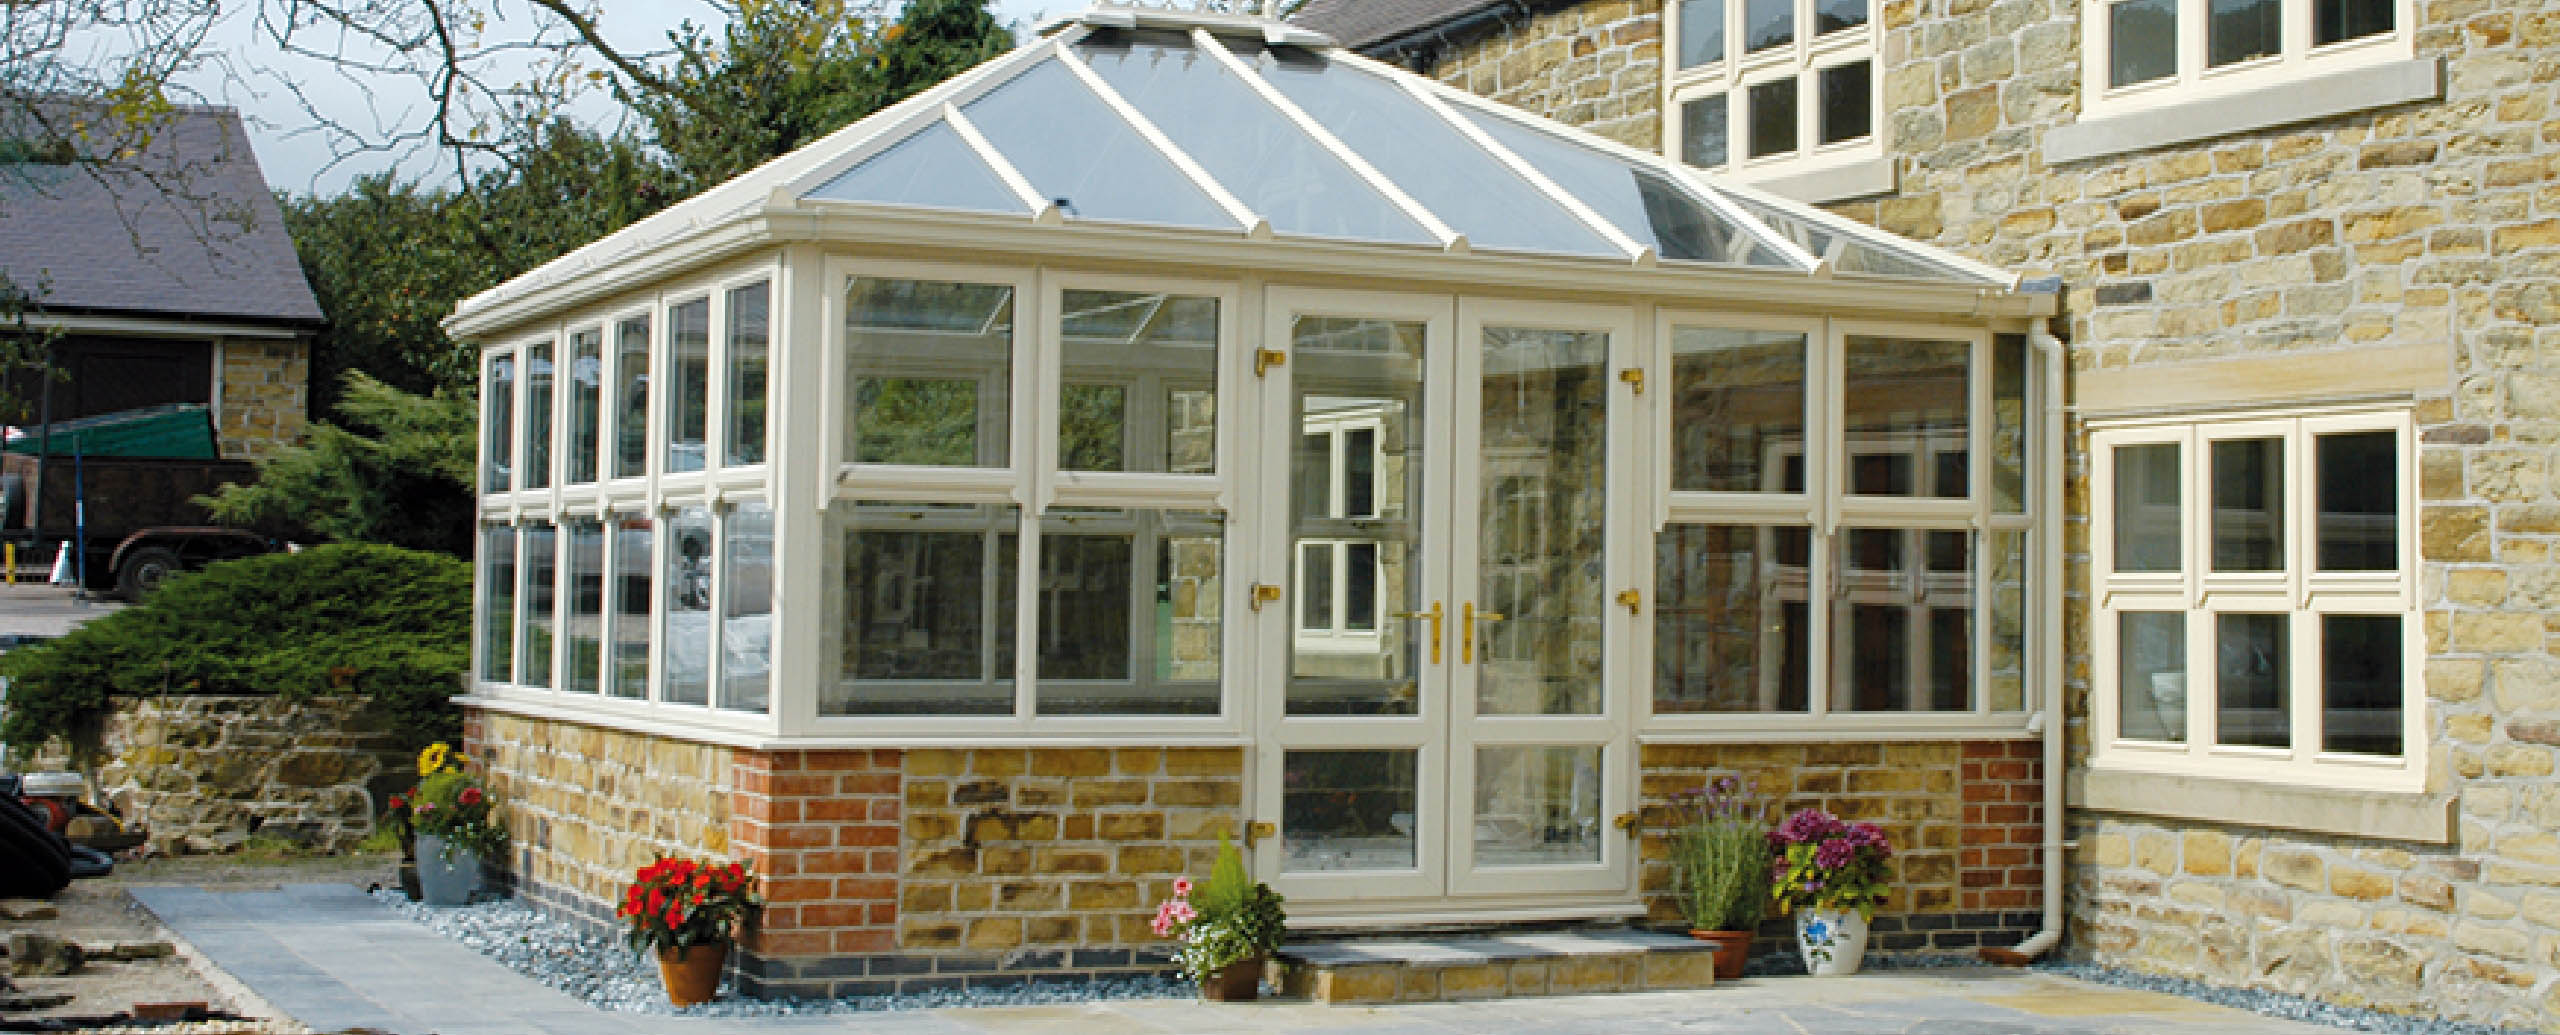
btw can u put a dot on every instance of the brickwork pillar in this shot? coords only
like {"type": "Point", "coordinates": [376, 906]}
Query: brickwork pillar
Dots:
{"type": "Point", "coordinates": [822, 827]}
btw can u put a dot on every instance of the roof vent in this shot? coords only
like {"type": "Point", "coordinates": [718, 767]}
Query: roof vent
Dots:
{"type": "Point", "coordinates": [1169, 15]}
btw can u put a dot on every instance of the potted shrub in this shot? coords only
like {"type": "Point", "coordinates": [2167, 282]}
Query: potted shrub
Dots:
{"type": "Point", "coordinates": [1720, 868]}
{"type": "Point", "coordinates": [1227, 924]}
{"type": "Point", "coordinates": [1830, 874]}
{"type": "Point", "coordinates": [686, 912]}
{"type": "Point", "coordinates": [455, 819]}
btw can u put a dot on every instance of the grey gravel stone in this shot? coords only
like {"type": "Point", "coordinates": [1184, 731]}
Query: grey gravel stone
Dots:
{"type": "Point", "coordinates": [2276, 1004]}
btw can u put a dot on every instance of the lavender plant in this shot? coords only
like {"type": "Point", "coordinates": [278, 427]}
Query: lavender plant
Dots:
{"type": "Point", "coordinates": [1720, 855]}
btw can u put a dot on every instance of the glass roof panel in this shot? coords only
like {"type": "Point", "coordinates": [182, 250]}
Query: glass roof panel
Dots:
{"type": "Point", "coordinates": [1434, 163]}
{"type": "Point", "coordinates": [932, 168]}
{"type": "Point", "coordinates": [1279, 172]}
{"type": "Point", "coordinates": [1078, 152]}
{"type": "Point", "coordinates": [1645, 204]}
{"type": "Point", "coordinates": [1857, 255]}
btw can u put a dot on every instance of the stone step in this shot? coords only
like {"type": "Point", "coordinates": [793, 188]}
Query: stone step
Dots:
{"type": "Point", "coordinates": [1423, 969]}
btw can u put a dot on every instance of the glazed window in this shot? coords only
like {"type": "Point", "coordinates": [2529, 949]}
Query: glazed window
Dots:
{"type": "Point", "coordinates": [1771, 88]}
{"type": "Point", "coordinates": [2148, 53]}
{"type": "Point", "coordinates": [498, 425]}
{"type": "Point", "coordinates": [750, 355]}
{"type": "Point", "coordinates": [585, 376]}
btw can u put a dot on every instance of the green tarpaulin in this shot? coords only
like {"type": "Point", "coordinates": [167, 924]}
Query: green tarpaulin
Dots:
{"type": "Point", "coordinates": [175, 430]}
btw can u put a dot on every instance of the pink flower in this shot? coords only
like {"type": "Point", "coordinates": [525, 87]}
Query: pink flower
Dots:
{"type": "Point", "coordinates": [1182, 887]}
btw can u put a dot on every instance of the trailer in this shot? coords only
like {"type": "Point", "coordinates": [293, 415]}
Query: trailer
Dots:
{"type": "Point", "coordinates": [121, 488]}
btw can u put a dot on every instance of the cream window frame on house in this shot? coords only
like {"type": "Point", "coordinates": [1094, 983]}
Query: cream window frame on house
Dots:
{"type": "Point", "coordinates": [2201, 596]}
{"type": "Point", "coordinates": [1805, 58]}
{"type": "Point", "coordinates": [2196, 81]}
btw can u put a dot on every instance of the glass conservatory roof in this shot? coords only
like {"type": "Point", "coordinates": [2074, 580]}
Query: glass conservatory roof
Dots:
{"type": "Point", "coordinates": [1179, 119]}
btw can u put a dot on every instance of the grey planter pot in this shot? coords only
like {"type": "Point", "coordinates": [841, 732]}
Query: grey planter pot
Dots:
{"type": "Point", "coordinates": [443, 881]}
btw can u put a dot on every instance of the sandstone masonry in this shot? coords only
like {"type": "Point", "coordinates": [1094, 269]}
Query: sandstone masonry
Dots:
{"type": "Point", "coordinates": [204, 773]}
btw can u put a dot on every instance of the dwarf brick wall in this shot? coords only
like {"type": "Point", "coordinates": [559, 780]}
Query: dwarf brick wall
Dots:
{"type": "Point", "coordinates": [266, 396]}
{"type": "Point", "coordinates": [822, 826]}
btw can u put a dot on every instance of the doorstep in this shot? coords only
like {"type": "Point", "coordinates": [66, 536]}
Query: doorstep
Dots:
{"type": "Point", "coordinates": [1424, 969]}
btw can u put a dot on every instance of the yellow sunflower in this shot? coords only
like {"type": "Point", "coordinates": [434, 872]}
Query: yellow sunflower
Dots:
{"type": "Point", "coordinates": [433, 759]}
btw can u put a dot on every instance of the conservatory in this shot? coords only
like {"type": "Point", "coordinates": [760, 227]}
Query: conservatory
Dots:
{"type": "Point", "coordinates": [1179, 427]}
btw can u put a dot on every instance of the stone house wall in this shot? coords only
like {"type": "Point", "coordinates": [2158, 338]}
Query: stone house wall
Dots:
{"type": "Point", "coordinates": [1594, 65]}
{"type": "Point", "coordinates": [206, 773]}
{"type": "Point", "coordinates": [265, 395]}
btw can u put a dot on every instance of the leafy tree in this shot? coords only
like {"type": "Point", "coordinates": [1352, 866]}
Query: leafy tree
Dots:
{"type": "Point", "coordinates": [408, 483]}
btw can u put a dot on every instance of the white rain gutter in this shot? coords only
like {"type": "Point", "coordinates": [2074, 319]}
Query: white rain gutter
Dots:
{"type": "Point", "coordinates": [2040, 338]}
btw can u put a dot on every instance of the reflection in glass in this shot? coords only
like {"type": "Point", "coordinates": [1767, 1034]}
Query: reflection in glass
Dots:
{"type": "Point", "coordinates": [2336, 21]}
{"type": "Point", "coordinates": [2004, 556]}
{"type": "Point", "coordinates": [631, 398]}
{"type": "Point", "coordinates": [1347, 810]}
{"type": "Point", "coordinates": [1537, 805]}
{"type": "Point", "coordinates": [1140, 370]}
{"type": "Point", "coordinates": [1846, 107]}
{"type": "Point", "coordinates": [2147, 494]}
{"type": "Point", "coordinates": [1131, 612]}
{"type": "Point", "coordinates": [2359, 499]}
{"type": "Point", "coordinates": [1701, 33]}
{"type": "Point", "coordinates": [1906, 398]}
{"type": "Point", "coordinates": [500, 434]}
{"type": "Point", "coordinates": [2251, 663]}
{"type": "Point", "coordinates": [746, 627]}
{"type": "Point", "coordinates": [685, 649]}
{"type": "Point", "coordinates": [750, 355]}
{"type": "Point", "coordinates": [689, 413]}
{"type": "Point", "coordinates": [1356, 483]}
{"type": "Point", "coordinates": [1902, 621]}
{"type": "Point", "coordinates": [2151, 661]}
{"type": "Point", "coordinates": [1705, 138]}
{"type": "Point", "coordinates": [2009, 440]}
{"type": "Point", "coordinates": [498, 603]}
{"type": "Point", "coordinates": [1076, 150]}
{"type": "Point", "coordinates": [1656, 212]}
{"type": "Point", "coordinates": [2142, 41]}
{"type": "Point", "coordinates": [932, 168]}
{"type": "Point", "coordinates": [1767, 23]}
{"type": "Point", "coordinates": [2248, 504]}
{"type": "Point", "coordinates": [538, 376]}
{"type": "Point", "coordinates": [2243, 29]}
{"type": "Point", "coordinates": [1728, 619]}
{"type": "Point", "coordinates": [2360, 684]}
{"type": "Point", "coordinates": [1737, 410]}
{"type": "Point", "coordinates": [541, 594]}
{"type": "Point", "coordinates": [1543, 479]}
{"type": "Point", "coordinates": [1773, 117]}
{"type": "Point", "coordinates": [583, 625]}
{"type": "Point", "coordinates": [931, 367]}
{"type": "Point", "coordinates": [586, 392]}
{"type": "Point", "coordinates": [1831, 16]}
{"type": "Point", "coordinates": [925, 603]}
{"type": "Point", "coordinates": [635, 596]}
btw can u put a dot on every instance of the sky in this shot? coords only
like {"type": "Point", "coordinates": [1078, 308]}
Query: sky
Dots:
{"type": "Point", "coordinates": [248, 72]}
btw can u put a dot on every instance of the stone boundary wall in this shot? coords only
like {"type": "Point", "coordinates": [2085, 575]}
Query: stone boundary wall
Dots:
{"type": "Point", "coordinates": [204, 773]}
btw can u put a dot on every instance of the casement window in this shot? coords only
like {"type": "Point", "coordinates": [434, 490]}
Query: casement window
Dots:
{"type": "Point", "coordinates": [2256, 598]}
{"type": "Point", "coordinates": [2152, 53]}
{"type": "Point", "coordinates": [1765, 89]}
{"type": "Point", "coordinates": [1341, 452]}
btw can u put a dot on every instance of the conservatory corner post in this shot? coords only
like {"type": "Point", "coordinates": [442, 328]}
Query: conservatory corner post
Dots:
{"type": "Point", "coordinates": [799, 483]}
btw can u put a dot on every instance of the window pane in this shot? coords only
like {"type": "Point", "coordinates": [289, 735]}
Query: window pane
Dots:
{"type": "Point", "coordinates": [1091, 423]}
{"type": "Point", "coordinates": [1701, 32]}
{"type": "Point", "coordinates": [2243, 29]}
{"type": "Point", "coordinates": [1835, 15]}
{"type": "Point", "coordinates": [586, 401]}
{"type": "Point", "coordinates": [1156, 357]}
{"type": "Point", "coordinates": [1772, 112]}
{"type": "Point", "coordinates": [631, 399]}
{"type": "Point", "coordinates": [1905, 398]}
{"type": "Point", "coordinates": [746, 625]}
{"type": "Point", "coordinates": [926, 602]}
{"type": "Point", "coordinates": [750, 354]}
{"type": "Point", "coordinates": [2142, 41]}
{"type": "Point", "coordinates": [2147, 524]}
{"type": "Point", "coordinates": [501, 430]}
{"type": "Point", "coordinates": [1728, 620]}
{"type": "Point", "coordinates": [2151, 668]}
{"type": "Point", "coordinates": [1537, 805]}
{"type": "Point", "coordinates": [1360, 587]}
{"type": "Point", "coordinates": [2248, 504]}
{"type": "Point", "coordinates": [1902, 621]}
{"type": "Point", "coordinates": [538, 374]}
{"type": "Point", "coordinates": [1767, 23]}
{"type": "Point", "coordinates": [1360, 473]}
{"type": "Point", "coordinates": [1737, 410]}
{"type": "Point", "coordinates": [2338, 20]}
{"type": "Point", "coordinates": [2004, 555]}
{"type": "Point", "coordinates": [1315, 586]}
{"type": "Point", "coordinates": [497, 603]}
{"type": "Point", "coordinates": [540, 595]}
{"type": "Point", "coordinates": [1705, 138]}
{"type": "Point", "coordinates": [1358, 388]}
{"type": "Point", "coordinates": [2359, 494]}
{"type": "Point", "coordinates": [584, 623]}
{"type": "Point", "coordinates": [1845, 108]}
{"type": "Point", "coordinates": [688, 421]}
{"type": "Point", "coordinates": [2009, 441]}
{"type": "Point", "coordinates": [1542, 476]}
{"type": "Point", "coordinates": [2251, 666]}
{"type": "Point", "coordinates": [685, 652]}
{"type": "Point", "coordinates": [931, 364]}
{"type": "Point", "coordinates": [2360, 686]}
{"type": "Point", "coordinates": [635, 596]}
{"type": "Point", "coordinates": [1130, 612]}
{"type": "Point", "coordinates": [1347, 810]}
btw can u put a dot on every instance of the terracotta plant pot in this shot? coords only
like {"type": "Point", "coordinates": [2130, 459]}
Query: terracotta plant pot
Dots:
{"type": "Point", "coordinates": [1239, 982]}
{"type": "Point", "coordinates": [692, 973]}
{"type": "Point", "coordinates": [1733, 948]}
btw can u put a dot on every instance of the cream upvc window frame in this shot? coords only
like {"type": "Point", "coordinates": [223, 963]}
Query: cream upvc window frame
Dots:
{"type": "Point", "coordinates": [1804, 58]}
{"type": "Point", "coordinates": [2196, 83]}
{"type": "Point", "coordinates": [1826, 509]}
{"type": "Point", "coordinates": [2297, 590]}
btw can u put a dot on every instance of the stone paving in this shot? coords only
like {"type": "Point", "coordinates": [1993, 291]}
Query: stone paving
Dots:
{"type": "Point", "coordinates": [331, 958]}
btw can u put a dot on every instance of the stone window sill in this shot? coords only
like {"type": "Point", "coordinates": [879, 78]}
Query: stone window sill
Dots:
{"type": "Point", "coordinates": [1841, 182]}
{"type": "Point", "coordinates": [2210, 116]}
{"type": "Point", "coordinates": [2387, 815]}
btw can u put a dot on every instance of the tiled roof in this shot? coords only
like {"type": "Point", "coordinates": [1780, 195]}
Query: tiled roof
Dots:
{"type": "Point", "coordinates": [188, 229]}
{"type": "Point", "coordinates": [1359, 23]}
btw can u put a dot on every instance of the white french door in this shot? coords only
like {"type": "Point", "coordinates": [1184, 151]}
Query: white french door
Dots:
{"type": "Point", "coordinates": [1437, 730]}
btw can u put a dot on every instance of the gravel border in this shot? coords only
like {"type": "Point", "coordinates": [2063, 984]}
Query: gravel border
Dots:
{"type": "Point", "coordinates": [609, 976]}
{"type": "Point", "coordinates": [2276, 1004]}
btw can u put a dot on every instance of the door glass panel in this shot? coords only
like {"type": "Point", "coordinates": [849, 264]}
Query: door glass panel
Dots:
{"type": "Point", "coordinates": [1357, 482]}
{"type": "Point", "coordinates": [1907, 398]}
{"type": "Point", "coordinates": [746, 622]}
{"type": "Point", "coordinates": [1737, 410]}
{"type": "Point", "coordinates": [924, 604]}
{"type": "Point", "coordinates": [1140, 372]}
{"type": "Point", "coordinates": [1347, 810]}
{"type": "Point", "coordinates": [2146, 511]}
{"type": "Point", "coordinates": [1537, 805]}
{"type": "Point", "coordinates": [687, 642]}
{"type": "Point", "coordinates": [2248, 504]}
{"type": "Point", "coordinates": [1541, 522]}
{"type": "Point", "coordinates": [498, 603]}
{"type": "Point", "coordinates": [635, 595]}
{"type": "Point", "coordinates": [584, 624]}
{"type": "Point", "coordinates": [1902, 621]}
{"type": "Point", "coordinates": [2151, 665]}
{"type": "Point", "coordinates": [2251, 665]}
{"type": "Point", "coordinates": [1728, 619]}
{"type": "Point", "coordinates": [1130, 612]}
{"type": "Point", "coordinates": [2359, 496]}
{"type": "Point", "coordinates": [2360, 684]}
{"type": "Point", "coordinates": [931, 364]}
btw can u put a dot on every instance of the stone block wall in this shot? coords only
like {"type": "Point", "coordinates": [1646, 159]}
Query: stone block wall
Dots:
{"type": "Point", "coordinates": [265, 396]}
{"type": "Point", "coordinates": [1594, 65]}
{"type": "Point", "coordinates": [205, 773]}
{"type": "Point", "coordinates": [586, 807]}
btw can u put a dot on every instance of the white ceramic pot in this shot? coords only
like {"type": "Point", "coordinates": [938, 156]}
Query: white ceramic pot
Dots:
{"type": "Point", "coordinates": [1833, 942]}
{"type": "Point", "coordinates": [444, 881]}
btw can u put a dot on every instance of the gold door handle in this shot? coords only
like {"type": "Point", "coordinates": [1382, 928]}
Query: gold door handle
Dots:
{"type": "Point", "coordinates": [1627, 821]}
{"type": "Point", "coordinates": [1259, 829]}
{"type": "Point", "coordinates": [1434, 615]}
{"type": "Point", "coordinates": [1467, 630]}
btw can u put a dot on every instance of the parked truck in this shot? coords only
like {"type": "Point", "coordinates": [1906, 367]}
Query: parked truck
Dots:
{"type": "Point", "coordinates": [121, 488]}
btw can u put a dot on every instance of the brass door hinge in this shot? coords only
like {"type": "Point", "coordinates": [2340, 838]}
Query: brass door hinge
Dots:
{"type": "Point", "coordinates": [1264, 593]}
{"type": "Point", "coordinates": [1634, 377]}
{"type": "Point", "coordinates": [1631, 600]}
{"type": "Point", "coordinates": [1259, 829]}
{"type": "Point", "coordinates": [1626, 821]}
{"type": "Point", "coordinates": [1265, 359]}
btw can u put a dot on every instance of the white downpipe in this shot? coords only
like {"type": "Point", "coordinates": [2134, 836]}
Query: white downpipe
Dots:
{"type": "Point", "coordinates": [2040, 338]}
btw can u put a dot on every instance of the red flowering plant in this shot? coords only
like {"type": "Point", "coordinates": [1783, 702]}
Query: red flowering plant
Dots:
{"type": "Point", "coordinates": [674, 903]}
{"type": "Point", "coordinates": [451, 803]}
